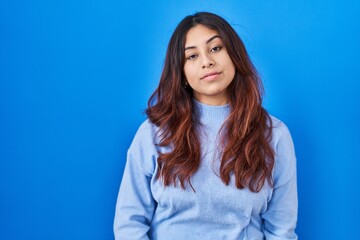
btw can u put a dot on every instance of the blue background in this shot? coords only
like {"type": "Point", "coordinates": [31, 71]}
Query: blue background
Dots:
{"type": "Point", "coordinates": [75, 77]}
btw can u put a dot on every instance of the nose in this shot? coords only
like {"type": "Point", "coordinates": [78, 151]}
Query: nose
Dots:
{"type": "Point", "coordinates": [207, 61]}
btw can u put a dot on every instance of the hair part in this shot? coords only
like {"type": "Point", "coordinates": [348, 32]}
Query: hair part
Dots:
{"type": "Point", "coordinates": [246, 133]}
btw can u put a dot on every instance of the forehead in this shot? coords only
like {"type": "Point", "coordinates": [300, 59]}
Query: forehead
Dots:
{"type": "Point", "coordinates": [199, 35]}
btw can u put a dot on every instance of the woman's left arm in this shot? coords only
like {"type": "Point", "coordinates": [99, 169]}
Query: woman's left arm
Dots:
{"type": "Point", "coordinates": [281, 216]}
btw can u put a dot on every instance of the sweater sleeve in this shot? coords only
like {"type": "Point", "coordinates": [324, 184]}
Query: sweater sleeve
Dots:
{"type": "Point", "coordinates": [135, 204]}
{"type": "Point", "coordinates": [281, 216]}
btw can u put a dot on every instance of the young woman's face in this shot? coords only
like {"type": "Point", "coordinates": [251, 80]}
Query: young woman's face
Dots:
{"type": "Point", "coordinates": [208, 68]}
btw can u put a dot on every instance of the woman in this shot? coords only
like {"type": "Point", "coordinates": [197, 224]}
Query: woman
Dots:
{"type": "Point", "coordinates": [210, 162]}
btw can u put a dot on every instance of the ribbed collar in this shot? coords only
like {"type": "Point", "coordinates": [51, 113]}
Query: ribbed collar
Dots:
{"type": "Point", "coordinates": [209, 114]}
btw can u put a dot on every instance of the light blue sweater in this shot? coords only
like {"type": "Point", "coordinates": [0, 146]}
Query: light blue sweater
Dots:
{"type": "Point", "coordinates": [146, 209]}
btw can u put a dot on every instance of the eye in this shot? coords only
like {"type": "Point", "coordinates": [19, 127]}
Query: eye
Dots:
{"type": "Point", "coordinates": [191, 57]}
{"type": "Point", "coordinates": [216, 49]}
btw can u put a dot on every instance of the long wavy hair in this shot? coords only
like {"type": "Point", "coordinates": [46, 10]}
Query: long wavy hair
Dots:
{"type": "Point", "coordinates": [245, 147]}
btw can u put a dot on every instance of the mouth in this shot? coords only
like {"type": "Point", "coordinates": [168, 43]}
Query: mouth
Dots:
{"type": "Point", "coordinates": [210, 76]}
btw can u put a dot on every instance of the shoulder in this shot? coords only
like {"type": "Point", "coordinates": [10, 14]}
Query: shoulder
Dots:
{"type": "Point", "coordinates": [147, 127]}
{"type": "Point", "coordinates": [279, 132]}
{"type": "Point", "coordinates": [146, 134]}
{"type": "Point", "coordinates": [283, 146]}
{"type": "Point", "coordinates": [143, 148]}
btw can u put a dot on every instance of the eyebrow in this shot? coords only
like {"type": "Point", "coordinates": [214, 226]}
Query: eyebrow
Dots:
{"type": "Point", "coordinates": [207, 42]}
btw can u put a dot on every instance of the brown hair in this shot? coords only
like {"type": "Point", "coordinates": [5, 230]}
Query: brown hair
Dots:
{"type": "Point", "coordinates": [245, 148]}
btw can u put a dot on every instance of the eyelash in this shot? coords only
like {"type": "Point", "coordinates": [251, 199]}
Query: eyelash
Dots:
{"type": "Point", "coordinates": [214, 49]}
{"type": "Point", "coordinates": [218, 48]}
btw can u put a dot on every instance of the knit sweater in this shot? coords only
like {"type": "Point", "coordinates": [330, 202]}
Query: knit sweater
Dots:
{"type": "Point", "coordinates": [146, 209]}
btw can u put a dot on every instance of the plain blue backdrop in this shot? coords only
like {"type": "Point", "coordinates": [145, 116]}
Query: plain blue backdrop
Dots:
{"type": "Point", "coordinates": [75, 77]}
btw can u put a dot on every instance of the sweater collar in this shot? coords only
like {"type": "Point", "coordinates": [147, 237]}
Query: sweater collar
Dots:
{"type": "Point", "coordinates": [211, 114]}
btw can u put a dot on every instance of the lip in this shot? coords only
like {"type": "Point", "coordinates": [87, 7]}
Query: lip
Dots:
{"type": "Point", "coordinates": [210, 76]}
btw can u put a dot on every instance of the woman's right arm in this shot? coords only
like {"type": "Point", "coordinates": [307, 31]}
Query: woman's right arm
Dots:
{"type": "Point", "coordinates": [135, 205]}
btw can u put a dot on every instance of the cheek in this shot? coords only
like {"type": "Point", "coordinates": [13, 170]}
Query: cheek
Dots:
{"type": "Point", "coordinates": [230, 68]}
{"type": "Point", "coordinates": [190, 73]}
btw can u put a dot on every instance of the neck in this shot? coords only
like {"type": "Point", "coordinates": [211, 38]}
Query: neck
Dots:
{"type": "Point", "coordinates": [212, 101]}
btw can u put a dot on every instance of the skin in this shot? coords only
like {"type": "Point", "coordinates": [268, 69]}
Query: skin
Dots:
{"type": "Point", "coordinates": [208, 68]}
